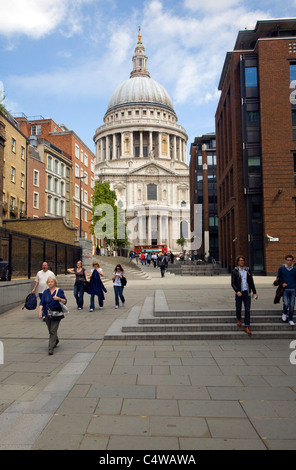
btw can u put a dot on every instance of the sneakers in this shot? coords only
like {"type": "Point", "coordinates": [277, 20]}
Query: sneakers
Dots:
{"type": "Point", "coordinates": [247, 330]}
{"type": "Point", "coordinates": [284, 317]}
{"type": "Point", "coordinates": [291, 323]}
{"type": "Point", "coordinates": [116, 306]}
{"type": "Point", "coordinates": [91, 309]}
{"type": "Point", "coordinates": [239, 323]}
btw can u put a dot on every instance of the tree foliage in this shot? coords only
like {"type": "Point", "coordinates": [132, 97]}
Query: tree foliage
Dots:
{"type": "Point", "coordinates": [108, 219]}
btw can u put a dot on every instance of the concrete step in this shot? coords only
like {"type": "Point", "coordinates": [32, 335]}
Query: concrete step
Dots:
{"type": "Point", "coordinates": [154, 320]}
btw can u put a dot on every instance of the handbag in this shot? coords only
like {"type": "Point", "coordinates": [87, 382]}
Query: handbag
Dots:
{"type": "Point", "coordinates": [123, 281]}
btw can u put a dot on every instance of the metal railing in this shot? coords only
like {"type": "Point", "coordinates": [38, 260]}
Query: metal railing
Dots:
{"type": "Point", "coordinates": [25, 254]}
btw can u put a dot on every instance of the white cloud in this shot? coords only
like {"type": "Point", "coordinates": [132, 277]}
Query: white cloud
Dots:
{"type": "Point", "coordinates": [210, 5]}
{"type": "Point", "coordinates": [188, 50]}
{"type": "Point", "coordinates": [37, 18]}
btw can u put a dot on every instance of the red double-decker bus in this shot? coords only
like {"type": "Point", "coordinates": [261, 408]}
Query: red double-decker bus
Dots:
{"type": "Point", "coordinates": [151, 248]}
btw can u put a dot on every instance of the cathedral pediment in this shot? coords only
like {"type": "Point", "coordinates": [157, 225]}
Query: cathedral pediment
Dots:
{"type": "Point", "coordinates": [152, 169]}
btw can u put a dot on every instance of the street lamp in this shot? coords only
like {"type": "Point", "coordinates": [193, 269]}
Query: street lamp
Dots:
{"type": "Point", "coordinates": [80, 215]}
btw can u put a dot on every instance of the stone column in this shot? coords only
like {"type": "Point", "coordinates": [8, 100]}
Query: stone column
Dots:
{"type": "Point", "coordinates": [114, 147]}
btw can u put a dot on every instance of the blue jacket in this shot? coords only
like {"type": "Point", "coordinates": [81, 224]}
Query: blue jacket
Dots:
{"type": "Point", "coordinates": [96, 287]}
{"type": "Point", "coordinates": [47, 300]}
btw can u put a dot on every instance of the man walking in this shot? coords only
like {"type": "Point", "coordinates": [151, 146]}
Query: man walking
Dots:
{"type": "Point", "coordinates": [242, 283]}
{"type": "Point", "coordinates": [287, 273]}
{"type": "Point", "coordinates": [42, 278]}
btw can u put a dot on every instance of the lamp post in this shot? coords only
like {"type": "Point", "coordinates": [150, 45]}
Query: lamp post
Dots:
{"type": "Point", "coordinates": [80, 218]}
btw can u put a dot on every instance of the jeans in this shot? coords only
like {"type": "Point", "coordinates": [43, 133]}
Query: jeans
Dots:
{"type": "Point", "coordinates": [246, 299]}
{"type": "Point", "coordinates": [118, 291]}
{"type": "Point", "coordinates": [92, 302]}
{"type": "Point", "coordinates": [289, 302]}
{"type": "Point", "coordinates": [78, 293]}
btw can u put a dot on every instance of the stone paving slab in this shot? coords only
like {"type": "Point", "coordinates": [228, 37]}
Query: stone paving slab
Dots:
{"type": "Point", "coordinates": [164, 395]}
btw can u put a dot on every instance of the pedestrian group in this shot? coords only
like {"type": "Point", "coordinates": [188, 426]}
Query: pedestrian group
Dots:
{"type": "Point", "coordinates": [52, 299]}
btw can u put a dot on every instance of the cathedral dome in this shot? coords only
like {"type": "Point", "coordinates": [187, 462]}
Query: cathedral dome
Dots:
{"type": "Point", "coordinates": [140, 90]}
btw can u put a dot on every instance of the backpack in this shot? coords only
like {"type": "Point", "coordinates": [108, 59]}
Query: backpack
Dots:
{"type": "Point", "coordinates": [30, 302]}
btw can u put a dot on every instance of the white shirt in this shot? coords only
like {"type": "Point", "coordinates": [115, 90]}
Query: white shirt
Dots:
{"type": "Point", "coordinates": [42, 278]}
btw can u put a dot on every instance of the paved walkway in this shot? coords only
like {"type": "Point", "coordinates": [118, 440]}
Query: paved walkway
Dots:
{"type": "Point", "coordinates": [156, 395]}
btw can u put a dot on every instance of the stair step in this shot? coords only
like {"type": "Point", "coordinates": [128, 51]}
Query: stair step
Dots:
{"type": "Point", "coordinates": [155, 321]}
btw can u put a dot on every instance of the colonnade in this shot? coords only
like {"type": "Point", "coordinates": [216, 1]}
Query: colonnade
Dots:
{"type": "Point", "coordinates": [141, 144]}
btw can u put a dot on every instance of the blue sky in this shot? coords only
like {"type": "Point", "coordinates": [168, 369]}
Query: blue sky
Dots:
{"type": "Point", "coordinates": [64, 58]}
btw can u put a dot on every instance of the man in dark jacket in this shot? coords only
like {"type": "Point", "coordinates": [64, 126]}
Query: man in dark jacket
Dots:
{"type": "Point", "coordinates": [242, 283]}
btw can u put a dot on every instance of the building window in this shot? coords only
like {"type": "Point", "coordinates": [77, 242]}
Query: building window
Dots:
{"type": "Point", "coordinates": [86, 159]}
{"type": "Point", "coordinates": [49, 182]}
{"type": "Point", "coordinates": [56, 206]}
{"type": "Point", "coordinates": [22, 180]}
{"type": "Point", "coordinates": [62, 188]}
{"type": "Point", "coordinates": [62, 208]}
{"type": "Point", "coordinates": [76, 151]}
{"type": "Point", "coordinates": [36, 178]}
{"type": "Point", "coordinates": [251, 79]}
{"type": "Point", "coordinates": [12, 174]}
{"type": "Point", "coordinates": [56, 185]}
{"type": "Point", "coordinates": [152, 192]}
{"type": "Point", "coordinates": [62, 170]}
{"type": "Point", "coordinates": [22, 153]}
{"type": "Point", "coordinates": [56, 167]}
{"type": "Point", "coordinates": [77, 170]}
{"type": "Point", "coordinates": [49, 162]}
{"type": "Point", "coordinates": [13, 145]}
{"type": "Point", "coordinates": [36, 129]}
{"type": "Point", "coordinates": [49, 199]}
{"type": "Point", "coordinates": [253, 120]}
{"type": "Point", "coordinates": [36, 200]}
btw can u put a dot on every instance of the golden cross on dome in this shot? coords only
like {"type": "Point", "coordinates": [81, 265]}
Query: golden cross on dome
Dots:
{"type": "Point", "coordinates": [139, 36]}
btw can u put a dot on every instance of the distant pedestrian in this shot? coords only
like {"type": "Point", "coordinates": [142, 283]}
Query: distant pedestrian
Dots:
{"type": "Point", "coordinates": [162, 264]}
{"type": "Point", "coordinates": [41, 279]}
{"type": "Point", "coordinates": [51, 299]}
{"type": "Point", "coordinates": [242, 283]}
{"type": "Point", "coordinates": [96, 286]}
{"type": "Point", "coordinates": [154, 259]}
{"type": "Point", "coordinates": [117, 285]}
{"type": "Point", "coordinates": [287, 274]}
{"type": "Point", "coordinates": [81, 278]}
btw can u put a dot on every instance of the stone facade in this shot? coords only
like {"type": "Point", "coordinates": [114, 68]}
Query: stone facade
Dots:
{"type": "Point", "coordinates": [141, 151]}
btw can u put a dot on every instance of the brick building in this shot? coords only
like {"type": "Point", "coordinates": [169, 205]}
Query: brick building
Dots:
{"type": "Point", "coordinates": [203, 191]}
{"type": "Point", "coordinates": [12, 168]}
{"type": "Point", "coordinates": [256, 147]}
{"type": "Point", "coordinates": [67, 143]}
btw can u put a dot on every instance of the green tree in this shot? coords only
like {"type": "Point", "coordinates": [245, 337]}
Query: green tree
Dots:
{"type": "Point", "coordinates": [108, 219]}
{"type": "Point", "coordinates": [182, 242]}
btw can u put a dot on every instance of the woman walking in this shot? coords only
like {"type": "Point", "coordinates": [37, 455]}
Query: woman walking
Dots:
{"type": "Point", "coordinates": [117, 285]}
{"type": "Point", "coordinates": [96, 287]}
{"type": "Point", "coordinates": [50, 301]}
{"type": "Point", "coordinates": [81, 277]}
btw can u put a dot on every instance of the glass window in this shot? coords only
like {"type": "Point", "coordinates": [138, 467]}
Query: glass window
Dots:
{"type": "Point", "coordinates": [252, 120]}
{"type": "Point", "coordinates": [292, 72]}
{"type": "Point", "coordinates": [251, 77]}
{"type": "Point", "coordinates": [254, 164]}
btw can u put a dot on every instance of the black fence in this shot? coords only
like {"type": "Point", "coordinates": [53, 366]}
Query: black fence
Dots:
{"type": "Point", "coordinates": [25, 254]}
